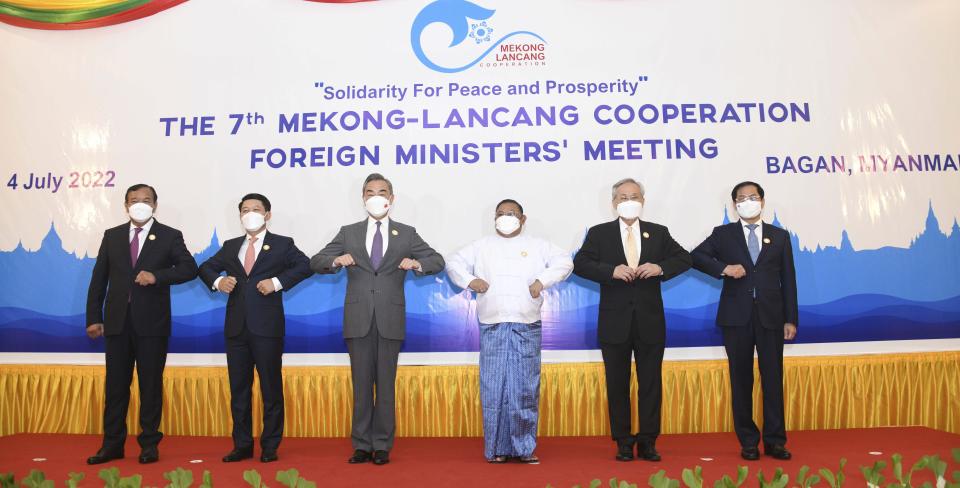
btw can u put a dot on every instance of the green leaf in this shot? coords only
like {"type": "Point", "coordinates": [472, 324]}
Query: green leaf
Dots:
{"type": "Point", "coordinates": [306, 484]}
{"type": "Point", "coordinates": [131, 481]}
{"type": "Point", "coordinates": [252, 477]}
{"type": "Point", "coordinates": [207, 480]}
{"type": "Point", "coordinates": [110, 476]}
{"type": "Point", "coordinates": [74, 479]}
{"type": "Point", "coordinates": [828, 475]}
{"type": "Point", "coordinates": [595, 483]}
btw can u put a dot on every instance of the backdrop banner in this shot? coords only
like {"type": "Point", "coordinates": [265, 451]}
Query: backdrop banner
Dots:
{"type": "Point", "coordinates": [845, 113]}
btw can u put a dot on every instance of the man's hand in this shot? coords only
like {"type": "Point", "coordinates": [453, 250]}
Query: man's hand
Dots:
{"type": "Point", "coordinates": [227, 284]}
{"type": "Point", "coordinates": [535, 288]}
{"type": "Point", "coordinates": [789, 332]}
{"type": "Point", "coordinates": [734, 271]}
{"type": "Point", "coordinates": [407, 264]}
{"type": "Point", "coordinates": [94, 330]}
{"type": "Point", "coordinates": [145, 278]}
{"type": "Point", "coordinates": [345, 260]}
{"type": "Point", "coordinates": [479, 286]}
{"type": "Point", "coordinates": [265, 287]}
{"type": "Point", "coordinates": [648, 270]}
{"type": "Point", "coordinates": [624, 273]}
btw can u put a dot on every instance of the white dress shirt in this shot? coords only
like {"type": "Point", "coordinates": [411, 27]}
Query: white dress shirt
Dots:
{"type": "Point", "coordinates": [257, 247]}
{"type": "Point", "coordinates": [509, 266]}
{"type": "Point", "coordinates": [143, 234]}
{"type": "Point", "coordinates": [372, 229]}
{"type": "Point", "coordinates": [635, 228]}
{"type": "Point", "coordinates": [758, 231]}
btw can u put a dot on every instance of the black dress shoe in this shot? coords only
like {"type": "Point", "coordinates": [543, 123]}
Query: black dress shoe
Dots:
{"type": "Point", "coordinates": [103, 457]}
{"type": "Point", "coordinates": [359, 457]}
{"type": "Point", "coordinates": [648, 452]}
{"type": "Point", "coordinates": [750, 453]}
{"type": "Point", "coordinates": [381, 457]}
{"type": "Point", "coordinates": [777, 452]}
{"type": "Point", "coordinates": [149, 455]}
{"type": "Point", "coordinates": [238, 455]}
{"type": "Point", "coordinates": [625, 450]}
{"type": "Point", "coordinates": [268, 456]}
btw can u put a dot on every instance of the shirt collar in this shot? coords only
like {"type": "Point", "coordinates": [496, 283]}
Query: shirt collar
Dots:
{"type": "Point", "coordinates": [744, 224]}
{"type": "Point", "coordinates": [623, 225]}
{"type": "Point", "coordinates": [258, 235]}
{"type": "Point", "coordinates": [146, 227]}
{"type": "Point", "coordinates": [372, 222]}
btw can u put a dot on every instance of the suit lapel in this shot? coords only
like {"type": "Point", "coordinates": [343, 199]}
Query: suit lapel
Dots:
{"type": "Point", "coordinates": [617, 241]}
{"type": "Point", "coordinates": [767, 237]}
{"type": "Point", "coordinates": [148, 244]}
{"type": "Point", "coordinates": [360, 235]}
{"type": "Point", "coordinates": [645, 242]}
{"type": "Point", "coordinates": [741, 239]}
{"type": "Point", "coordinates": [265, 252]}
{"type": "Point", "coordinates": [392, 243]}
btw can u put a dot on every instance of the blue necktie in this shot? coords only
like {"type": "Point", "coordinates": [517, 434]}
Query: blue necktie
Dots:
{"type": "Point", "coordinates": [376, 249]}
{"type": "Point", "coordinates": [753, 244]}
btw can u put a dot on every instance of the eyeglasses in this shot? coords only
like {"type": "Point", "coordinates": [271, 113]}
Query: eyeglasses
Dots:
{"type": "Point", "coordinates": [510, 213]}
{"type": "Point", "coordinates": [752, 198]}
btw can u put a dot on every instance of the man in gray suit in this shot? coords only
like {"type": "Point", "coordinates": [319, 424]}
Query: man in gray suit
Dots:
{"type": "Point", "coordinates": [377, 253]}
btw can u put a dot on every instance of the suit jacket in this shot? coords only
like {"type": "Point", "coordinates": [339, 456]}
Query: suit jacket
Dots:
{"type": "Point", "coordinates": [263, 315]}
{"type": "Point", "coordinates": [774, 276]}
{"type": "Point", "coordinates": [376, 291]}
{"type": "Point", "coordinates": [164, 254]}
{"type": "Point", "coordinates": [602, 251]}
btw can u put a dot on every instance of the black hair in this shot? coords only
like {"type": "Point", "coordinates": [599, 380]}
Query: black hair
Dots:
{"type": "Point", "coordinates": [254, 196]}
{"type": "Point", "coordinates": [376, 177]}
{"type": "Point", "coordinates": [140, 186]}
{"type": "Point", "coordinates": [510, 200]}
{"type": "Point", "coordinates": [733, 194]}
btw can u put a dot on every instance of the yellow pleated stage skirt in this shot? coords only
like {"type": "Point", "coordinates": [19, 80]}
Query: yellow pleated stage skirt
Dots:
{"type": "Point", "coordinates": [920, 389]}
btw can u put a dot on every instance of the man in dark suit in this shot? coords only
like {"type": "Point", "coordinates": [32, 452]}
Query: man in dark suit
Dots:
{"type": "Point", "coordinates": [253, 269]}
{"type": "Point", "coordinates": [377, 253]}
{"type": "Point", "coordinates": [128, 302]}
{"type": "Point", "coordinates": [758, 309]}
{"type": "Point", "coordinates": [630, 257]}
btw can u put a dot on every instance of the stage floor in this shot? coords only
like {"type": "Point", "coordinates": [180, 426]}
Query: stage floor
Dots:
{"type": "Point", "coordinates": [566, 461]}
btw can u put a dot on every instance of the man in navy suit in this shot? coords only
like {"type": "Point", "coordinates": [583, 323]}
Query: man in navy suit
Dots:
{"type": "Point", "coordinates": [253, 269]}
{"type": "Point", "coordinates": [758, 309]}
{"type": "Point", "coordinates": [128, 303]}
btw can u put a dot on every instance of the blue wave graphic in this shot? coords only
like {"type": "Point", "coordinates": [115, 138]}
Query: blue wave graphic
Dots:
{"type": "Point", "coordinates": [454, 14]}
{"type": "Point", "coordinates": [845, 295]}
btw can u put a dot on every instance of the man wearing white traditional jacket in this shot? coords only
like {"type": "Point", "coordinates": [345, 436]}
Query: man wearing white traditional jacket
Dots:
{"type": "Point", "coordinates": [509, 271]}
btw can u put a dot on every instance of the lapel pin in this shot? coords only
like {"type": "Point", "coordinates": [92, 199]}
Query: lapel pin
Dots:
{"type": "Point", "coordinates": [394, 232]}
{"type": "Point", "coordinates": [266, 247]}
{"type": "Point", "coordinates": [152, 237]}
{"type": "Point", "coordinates": [766, 240]}
{"type": "Point", "coordinates": [523, 253]}
{"type": "Point", "coordinates": [646, 235]}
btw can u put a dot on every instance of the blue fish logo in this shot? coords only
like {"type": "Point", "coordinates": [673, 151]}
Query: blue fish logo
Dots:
{"type": "Point", "coordinates": [455, 14]}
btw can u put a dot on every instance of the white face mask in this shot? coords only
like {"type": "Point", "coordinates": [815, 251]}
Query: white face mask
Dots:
{"type": "Point", "coordinates": [140, 212]}
{"type": "Point", "coordinates": [748, 209]}
{"type": "Point", "coordinates": [507, 224]}
{"type": "Point", "coordinates": [252, 221]}
{"type": "Point", "coordinates": [377, 206]}
{"type": "Point", "coordinates": [630, 209]}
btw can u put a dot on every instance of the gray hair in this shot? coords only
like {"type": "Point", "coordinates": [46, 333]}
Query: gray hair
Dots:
{"type": "Point", "coordinates": [376, 177]}
{"type": "Point", "coordinates": [624, 181]}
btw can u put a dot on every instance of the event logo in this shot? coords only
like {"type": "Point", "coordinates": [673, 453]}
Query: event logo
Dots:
{"type": "Point", "coordinates": [467, 19]}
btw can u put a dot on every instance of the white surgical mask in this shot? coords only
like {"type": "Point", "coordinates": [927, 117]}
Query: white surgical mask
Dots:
{"type": "Point", "coordinates": [140, 212]}
{"type": "Point", "coordinates": [630, 209]}
{"type": "Point", "coordinates": [377, 206]}
{"type": "Point", "coordinates": [507, 224]}
{"type": "Point", "coordinates": [748, 209]}
{"type": "Point", "coordinates": [252, 221]}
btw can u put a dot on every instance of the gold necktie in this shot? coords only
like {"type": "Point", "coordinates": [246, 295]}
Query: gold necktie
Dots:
{"type": "Point", "coordinates": [633, 259]}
